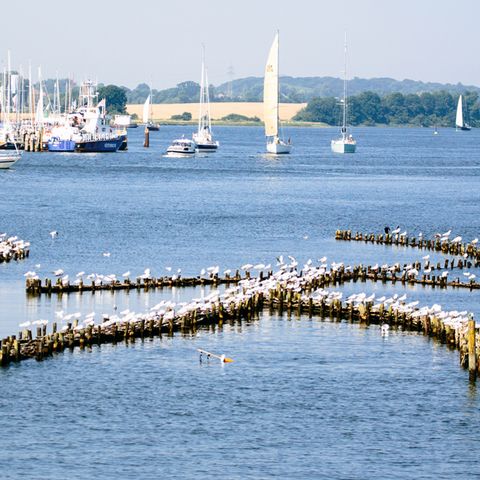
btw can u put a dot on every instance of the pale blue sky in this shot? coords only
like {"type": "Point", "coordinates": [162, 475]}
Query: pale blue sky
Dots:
{"type": "Point", "coordinates": [128, 42]}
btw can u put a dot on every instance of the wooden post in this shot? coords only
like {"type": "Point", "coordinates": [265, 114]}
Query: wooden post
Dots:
{"type": "Point", "coordinates": [472, 355]}
{"type": "Point", "coordinates": [146, 143]}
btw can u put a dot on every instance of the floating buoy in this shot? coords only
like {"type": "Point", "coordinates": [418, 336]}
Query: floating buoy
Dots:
{"type": "Point", "coordinates": [222, 358]}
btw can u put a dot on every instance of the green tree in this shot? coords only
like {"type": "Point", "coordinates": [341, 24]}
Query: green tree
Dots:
{"type": "Point", "coordinates": [115, 98]}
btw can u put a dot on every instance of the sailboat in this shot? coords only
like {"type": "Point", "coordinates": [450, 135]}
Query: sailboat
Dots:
{"type": "Point", "coordinates": [152, 127]}
{"type": "Point", "coordinates": [204, 136]}
{"type": "Point", "coordinates": [346, 143]}
{"type": "Point", "coordinates": [270, 103]}
{"type": "Point", "coordinates": [460, 123]}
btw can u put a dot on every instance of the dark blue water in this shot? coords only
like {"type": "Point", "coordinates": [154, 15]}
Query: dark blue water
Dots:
{"type": "Point", "coordinates": [303, 399]}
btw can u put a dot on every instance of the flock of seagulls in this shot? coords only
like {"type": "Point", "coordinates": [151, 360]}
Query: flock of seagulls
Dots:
{"type": "Point", "coordinates": [286, 277]}
{"type": "Point", "coordinates": [9, 246]}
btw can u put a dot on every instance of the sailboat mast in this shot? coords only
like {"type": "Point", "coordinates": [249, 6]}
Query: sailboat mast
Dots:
{"type": "Point", "coordinates": [344, 124]}
{"type": "Point", "coordinates": [207, 100]}
{"type": "Point", "coordinates": [278, 81]}
{"type": "Point", "coordinates": [202, 92]}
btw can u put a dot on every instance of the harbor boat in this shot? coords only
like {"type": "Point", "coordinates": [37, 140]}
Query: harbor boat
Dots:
{"type": "Point", "coordinates": [460, 123]}
{"type": "Point", "coordinates": [149, 125]}
{"type": "Point", "coordinates": [275, 144]}
{"type": "Point", "coordinates": [346, 143]}
{"type": "Point", "coordinates": [94, 134]}
{"type": "Point", "coordinates": [182, 147]}
{"type": "Point", "coordinates": [56, 144]}
{"type": "Point", "coordinates": [204, 136]}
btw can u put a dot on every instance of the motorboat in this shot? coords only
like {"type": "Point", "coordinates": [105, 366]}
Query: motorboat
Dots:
{"type": "Point", "coordinates": [182, 147]}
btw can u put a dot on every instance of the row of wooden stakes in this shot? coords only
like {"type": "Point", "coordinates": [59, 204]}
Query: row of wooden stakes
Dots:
{"type": "Point", "coordinates": [329, 278]}
{"type": "Point", "coordinates": [35, 286]}
{"type": "Point", "coordinates": [446, 246]}
{"type": "Point", "coordinates": [280, 299]}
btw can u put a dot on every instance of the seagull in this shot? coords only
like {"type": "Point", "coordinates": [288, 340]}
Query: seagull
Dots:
{"type": "Point", "coordinates": [58, 273]}
{"type": "Point", "coordinates": [305, 237]}
{"type": "Point", "coordinates": [426, 257]}
{"type": "Point", "coordinates": [457, 240]}
{"type": "Point", "coordinates": [168, 269]}
{"type": "Point", "coordinates": [474, 241]}
{"type": "Point", "coordinates": [54, 234]}
{"type": "Point", "coordinates": [126, 274]}
{"type": "Point", "coordinates": [80, 274]}
{"type": "Point", "coordinates": [106, 254]}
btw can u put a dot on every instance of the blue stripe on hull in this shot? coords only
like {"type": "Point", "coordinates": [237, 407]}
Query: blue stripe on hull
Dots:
{"type": "Point", "coordinates": [100, 145]}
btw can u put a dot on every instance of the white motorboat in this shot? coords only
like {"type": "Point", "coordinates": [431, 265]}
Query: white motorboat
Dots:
{"type": "Point", "coordinates": [275, 144]}
{"type": "Point", "coordinates": [182, 147]}
{"type": "Point", "coordinates": [9, 158]}
{"type": "Point", "coordinates": [346, 143]}
{"type": "Point", "coordinates": [204, 135]}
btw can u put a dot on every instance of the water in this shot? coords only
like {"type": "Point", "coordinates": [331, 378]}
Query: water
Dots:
{"type": "Point", "coordinates": [303, 399]}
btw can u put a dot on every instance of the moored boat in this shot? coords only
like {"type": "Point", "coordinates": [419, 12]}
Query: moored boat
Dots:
{"type": "Point", "coordinates": [346, 143]}
{"type": "Point", "coordinates": [204, 135]}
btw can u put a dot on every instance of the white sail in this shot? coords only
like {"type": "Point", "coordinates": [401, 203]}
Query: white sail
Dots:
{"type": "Point", "coordinates": [146, 110]}
{"type": "Point", "coordinates": [459, 118]}
{"type": "Point", "coordinates": [39, 117]}
{"type": "Point", "coordinates": [270, 91]}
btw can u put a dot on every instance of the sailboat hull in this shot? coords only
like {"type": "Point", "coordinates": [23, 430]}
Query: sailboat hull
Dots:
{"type": "Point", "coordinates": [207, 147]}
{"type": "Point", "coordinates": [279, 148]}
{"type": "Point", "coordinates": [464, 128]}
{"type": "Point", "coordinates": [340, 146]}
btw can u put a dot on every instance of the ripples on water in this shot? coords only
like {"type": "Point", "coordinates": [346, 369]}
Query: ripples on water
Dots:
{"type": "Point", "coordinates": [304, 399]}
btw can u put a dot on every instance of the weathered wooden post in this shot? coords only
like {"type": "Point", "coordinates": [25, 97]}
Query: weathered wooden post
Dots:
{"type": "Point", "coordinates": [472, 354]}
{"type": "Point", "coordinates": [146, 143]}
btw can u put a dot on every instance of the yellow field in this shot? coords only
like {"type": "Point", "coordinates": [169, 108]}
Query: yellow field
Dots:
{"type": "Point", "coordinates": [217, 110]}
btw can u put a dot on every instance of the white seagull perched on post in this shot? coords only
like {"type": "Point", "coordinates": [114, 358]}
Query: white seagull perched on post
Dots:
{"type": "Point", "coordinates": [54, 234]}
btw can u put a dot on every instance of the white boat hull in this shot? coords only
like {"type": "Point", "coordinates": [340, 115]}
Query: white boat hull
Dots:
{"type": "Point", "coordinates": [340, 146]}
{"type": "Point", "coordinates": [6, 161]}
{"type": "Point", "coordinates": [279, 148]}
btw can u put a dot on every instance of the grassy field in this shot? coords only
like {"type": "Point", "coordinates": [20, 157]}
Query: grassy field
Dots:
{"type": "Point", "coordinates": [217, 110]}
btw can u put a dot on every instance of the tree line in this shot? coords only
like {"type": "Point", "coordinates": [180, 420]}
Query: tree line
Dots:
{"type": "Point", "coordinates": [369, 108]}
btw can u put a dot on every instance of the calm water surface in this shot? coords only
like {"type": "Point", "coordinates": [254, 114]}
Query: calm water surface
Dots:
{"type": "Point", "coordinates": [303, 399]}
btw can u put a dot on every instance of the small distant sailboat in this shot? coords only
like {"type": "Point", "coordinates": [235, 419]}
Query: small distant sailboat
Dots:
{"type": "Point", "coordinates": [270, 103]}
{"type": "Point", "coordinates": [204, 136]}
{"type": "Point", "coordinates": [346, 143]}
{"type": "Point", "coordinates": [460, 123]}
{"type": "Point", "coordinates": [152, 127]}
{"type": "Point", "coordinates": [435, 131]}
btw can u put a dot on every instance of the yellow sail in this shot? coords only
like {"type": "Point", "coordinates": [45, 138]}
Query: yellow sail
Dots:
{"type": "Point", "coordinates": [270, 91]}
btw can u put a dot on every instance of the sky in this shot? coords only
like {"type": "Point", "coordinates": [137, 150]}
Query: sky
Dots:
{"type": "Point", "coordinates": [159, 41]}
